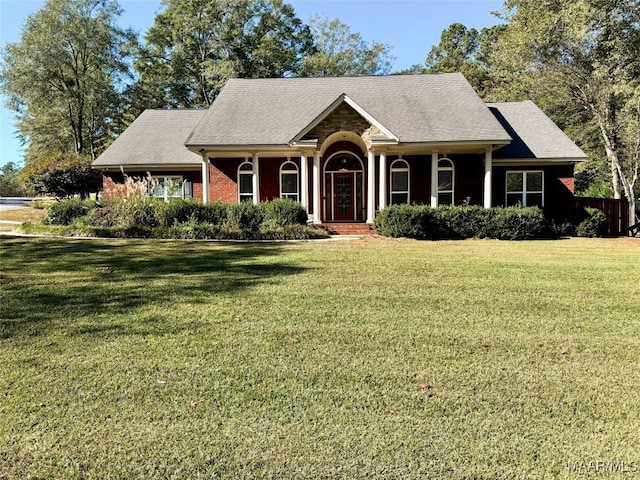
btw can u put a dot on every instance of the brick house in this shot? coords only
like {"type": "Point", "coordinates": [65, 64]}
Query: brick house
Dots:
{"type": "Point", "coordinates": [347, 147]}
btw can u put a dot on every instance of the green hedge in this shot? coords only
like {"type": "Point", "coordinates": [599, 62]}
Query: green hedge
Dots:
{"type": "Point", "coordinates": [65, 212]}
{"type": "Point", "coordinates": [144, 217]}
{"type": "Point", "coordinates": [593, 225]}
{"type": "Point", "coordinates": [451, 222]}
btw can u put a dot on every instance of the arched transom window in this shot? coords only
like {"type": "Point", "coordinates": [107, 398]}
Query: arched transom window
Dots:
{"type": "Point", "coordinates": [289, 181]}
{"type": "Point", "coordinates": [445, 181]}
{"type": "Point", "coordinates": [399, 181]}
{"type": "Point", "coordinates": [245, 182]}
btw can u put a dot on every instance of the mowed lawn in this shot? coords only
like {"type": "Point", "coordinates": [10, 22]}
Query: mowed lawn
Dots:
{"type": "Point", "coordinates": [371, 358]}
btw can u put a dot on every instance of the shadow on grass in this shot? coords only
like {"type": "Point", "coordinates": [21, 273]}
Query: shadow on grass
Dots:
{"type": "Point", "coordinates": [66, 283]}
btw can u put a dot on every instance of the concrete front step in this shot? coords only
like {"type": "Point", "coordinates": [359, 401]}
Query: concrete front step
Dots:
{"type": "Point", "coordinates": [348, 228]}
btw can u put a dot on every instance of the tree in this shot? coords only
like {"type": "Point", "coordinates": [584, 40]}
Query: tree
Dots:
{"type": "Point", "coordinates": [9, 181]}
{"type": "Point", "coordinates": [61, 77]}
{"type": "Point", "coordinates": [466, 51]}
{"type": "Point", "coordinates": [194, 47]}
{"type": "Point", "coordinates": [580, 58]}
{"type": "Point", "coordinates": [62, 175]}
{"type": "Point", "coordinates": [340, 52]}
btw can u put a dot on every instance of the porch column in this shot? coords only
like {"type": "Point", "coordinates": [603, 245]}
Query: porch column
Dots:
{"type": "Point", "coordinates": [304, 181]}
{"type": "Point", "coordinates": [488, 171]}
{"type": "Point", "coordinates": [382, 200]}
{"type": "Point", "coordinates": [371, 186]}
{"type": "Point", "coordinates": [205, 177]}
{"type": "Point", "coordinates": [256, 179]}
{"type": "Point", "coordinates": [316, 187]}
{"type": "Point", "coordinates": [434, 179]}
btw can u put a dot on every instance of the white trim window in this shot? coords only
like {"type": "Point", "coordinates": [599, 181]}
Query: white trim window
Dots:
{"type": "Point", "coordinates": [245, 182]}
{"type": "Point", "coordinates": [289, 181]}
{"type": "Point", "coordinates": [446, 181]}
{"type": "Point", "coordinates": [399, 182]}
{"type": "Point", "coordinates": [525, 188]}
{"type": "Point", "coordinates": [167, 187]}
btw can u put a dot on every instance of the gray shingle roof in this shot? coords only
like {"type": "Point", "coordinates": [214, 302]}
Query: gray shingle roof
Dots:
{"type": "Point", "coordinates": [415, 108]}
{"type": "Point", "coordinates": [534, 134]}
{"type": "Point", "coordinates": [156, 137]}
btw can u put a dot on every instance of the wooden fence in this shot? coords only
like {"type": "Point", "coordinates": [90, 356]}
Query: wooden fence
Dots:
{"type": "Point", "coordinates": [616, 211]}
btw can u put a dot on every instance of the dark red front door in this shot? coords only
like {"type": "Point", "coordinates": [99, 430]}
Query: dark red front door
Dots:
{"type": "Point", "coordinates": [343, 199]}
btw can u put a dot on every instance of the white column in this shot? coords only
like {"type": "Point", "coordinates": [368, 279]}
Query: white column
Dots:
{"type": "Point", "coordinates": [256, 179]}
{"type": "Point", "coordinates": [316, 187]}
{"type": "Point", "coordinates": [382, 200]}
{"type": "Point", "coordinates": [434, 179]}
{"type": "Point", "coordinates": [487, 177]}
{"type": "Point", "coordinates": [304, 181]}
{"type": "Point", "coordinates": [371, 186]}
{"type": "Point", "coordinates": [205, 178]}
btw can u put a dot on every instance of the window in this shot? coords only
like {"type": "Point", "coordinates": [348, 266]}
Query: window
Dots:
{"type": "Point", "coordinates": [445, 182]}
{"type": "Point", "coordinates": [525, 188]}
{"type": "Point", "coordinates": [245, 182]}
{"type": "Point", "coordinates": [289, 181]}
{"type": "Point", "coordinates": [167, 187]}
{"type": "Point", "coordinates": [399, 182]}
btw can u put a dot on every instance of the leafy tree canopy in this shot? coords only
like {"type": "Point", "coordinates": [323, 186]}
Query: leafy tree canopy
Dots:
{"type": "Point", "coordinates": [464, 50]}
{"type": "Point", "coordinates": [341, 52]}
{"type": "Point", "coordinates": [61, 175]}
{"type": "Point", "coordinates": [61, 77]}
{"type": "Point", "coordinates": [194, 47]}
{"type": "Point", "coordinates": [580, 61]}
{"type": "Point", "coordinates": [9, 181]}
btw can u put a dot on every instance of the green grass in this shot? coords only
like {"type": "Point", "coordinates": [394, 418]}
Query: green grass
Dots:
{"type": "Point", "coordinates": [358, 359]}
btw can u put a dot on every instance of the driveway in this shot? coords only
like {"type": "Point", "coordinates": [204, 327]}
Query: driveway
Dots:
{"type": "Point", "coordinates": [8, 203]}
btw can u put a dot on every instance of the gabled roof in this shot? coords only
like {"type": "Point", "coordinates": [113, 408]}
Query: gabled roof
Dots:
{"type": "Point", "coordinates": [156, 137]}
{"type": "Point", "coordinates": [344, 98]}
{"type": "Point", "coordinates": [415, 108]}
{"type": "Point", "coordinates": [534, 134]}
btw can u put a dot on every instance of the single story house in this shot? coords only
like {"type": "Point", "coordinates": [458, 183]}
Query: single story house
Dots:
{"type": "Point", "coordinates": [347, 147]}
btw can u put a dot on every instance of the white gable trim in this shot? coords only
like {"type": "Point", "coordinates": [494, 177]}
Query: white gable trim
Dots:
{"type": "Point", "coordinates": [344, 98]}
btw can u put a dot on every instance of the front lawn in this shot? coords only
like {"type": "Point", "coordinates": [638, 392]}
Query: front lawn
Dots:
{"type": "Point", "coordinates": [373, 358]}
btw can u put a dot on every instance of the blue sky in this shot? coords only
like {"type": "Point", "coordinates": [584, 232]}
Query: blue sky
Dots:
{"type": "Point", "coordinates": [410, 27]}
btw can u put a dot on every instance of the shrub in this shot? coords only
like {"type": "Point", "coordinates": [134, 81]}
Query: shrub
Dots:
{"type": "Point", "coordinates": [211, 213]}
{"type": "Point", "coordinates": [65, 212]}
{"type": "Point", "coordinates": [244, 216]}
{"type": "Point", "coordinates": [517, 223]}
{"type": "Point", "coordinates": [176, 211]}
{"type": "Point", "coordinates": [42, 203]}
{"type": "Point", "coordinates": [282, 212]}
{"type": "Point", "coordinates": [398, 221]}
{"type": "Point", "coordinates": [460, 222]}
{"type": "Point", "coordinates": [105, 216]}
{"type": "Point", "coordinates": [594, 225]}
{"type": "Point", "coordinates": [137, 212]}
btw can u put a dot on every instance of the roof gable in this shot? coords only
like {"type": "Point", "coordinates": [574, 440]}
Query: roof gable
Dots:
{"type": "Point", "coordinates": [334, 115]}
{"type": "Point", "coordinates": [409, 108]}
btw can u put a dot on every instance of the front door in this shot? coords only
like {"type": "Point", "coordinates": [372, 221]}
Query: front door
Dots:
{"type": "Point", "coordinates": [343, 206]}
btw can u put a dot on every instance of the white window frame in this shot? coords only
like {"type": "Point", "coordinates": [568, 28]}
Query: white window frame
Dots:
{"type": "Point", "coordinates": [290, 172]}
{"type": "Point", "coordinates": [395, 169]}
{"type": "Point", "coordinates": [524, 192]}
{"type": "Point", "coordinates": [245, 196]}
{"type": "Point", "coordinates": [162, 180]}
{"type": "Point", "coordinates": [451, 168]}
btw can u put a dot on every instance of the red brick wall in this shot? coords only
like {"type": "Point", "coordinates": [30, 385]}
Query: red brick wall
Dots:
{"type": "Point", "coordinates": [223, 184]}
